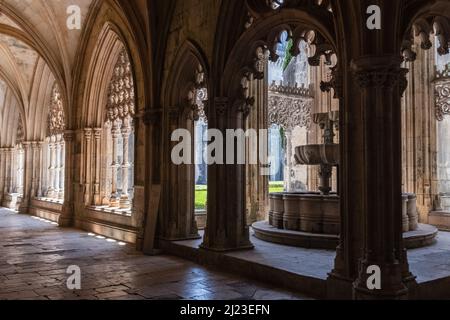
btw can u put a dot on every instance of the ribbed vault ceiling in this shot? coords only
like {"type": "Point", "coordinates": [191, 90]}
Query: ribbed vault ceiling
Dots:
{"type": "Point", "coordinates": [36, 49]}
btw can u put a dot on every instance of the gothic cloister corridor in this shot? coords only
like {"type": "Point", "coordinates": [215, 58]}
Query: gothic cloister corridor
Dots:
{"type": "Point", "coordinates": [225, 150]}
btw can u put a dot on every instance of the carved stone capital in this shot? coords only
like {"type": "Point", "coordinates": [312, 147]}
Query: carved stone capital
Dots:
{"type": "Point", "coordinates": [380, 72]}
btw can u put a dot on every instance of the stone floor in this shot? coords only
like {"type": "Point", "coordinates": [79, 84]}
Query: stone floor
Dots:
{"type": "Point", "coordinates": [35, 255]}
{"type": "Point", "coordinates": [428, 263]}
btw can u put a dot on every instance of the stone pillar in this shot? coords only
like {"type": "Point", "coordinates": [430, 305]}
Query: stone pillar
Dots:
{"type": "Point", "coordinates": [57, 166]}
{"type": "Point", "coordinates": [288, 169]}
{"type": "Point", "coordinates": [2, 172]}
{"type": "Point", "coordinates": [62, 161]}
{"type": "Point", "coordinates": [28, 177]}
{"type": "Point", "coordinates": [114, 200]}
{"type": "Point", "coordinates": [12, 188]}
{"type": "Point", "coordinates": [97, 163]}
{"type": "Point", "coordinates": [66, 217]}
{"type": "Point", "coordinates": [9, 168]}
{"type": "Point", "coordinates": [382, 81]}
{"type": "Point", "coordinates": [125, 197]}
{"type": "Point", "coordinates": [88, 165]}
{"type": "Point", "coordinates": [40, 169]}
{"type": "Point", "coordinates": [51, 168]}
{"type": "Point", "coordinates": [226, 223]}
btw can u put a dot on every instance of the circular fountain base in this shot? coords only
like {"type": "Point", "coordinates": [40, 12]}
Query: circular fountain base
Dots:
{"type": "Point", "coordinates": [425, 235]}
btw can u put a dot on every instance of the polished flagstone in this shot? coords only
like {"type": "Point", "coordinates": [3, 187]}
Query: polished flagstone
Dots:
{"type": "Point", "coordinates": [35, 255]}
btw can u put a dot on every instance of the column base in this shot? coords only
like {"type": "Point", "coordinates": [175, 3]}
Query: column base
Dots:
{"type": "Point", "coordinates": [114, 202]}
{"type": "Point", "coordinates": [339, 288]}
{"type": "Point", "coordinates": [65, 222]}
{"type": "Point", "coordinates": [392, 283]}
{"type": "Point", "coordinates": [124, 203]}
{"type": "Point", "coordinates": [11, 201]}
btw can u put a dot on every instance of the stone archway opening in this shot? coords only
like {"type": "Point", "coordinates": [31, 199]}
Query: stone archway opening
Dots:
{"type": "Point", "coordinates": [299, 195]}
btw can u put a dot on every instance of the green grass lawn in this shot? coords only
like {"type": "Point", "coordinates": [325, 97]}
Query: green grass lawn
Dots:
{"type": "Point", "coordinates": [201, 193]}
{"type": "Point", "coordinates": [276, 186]}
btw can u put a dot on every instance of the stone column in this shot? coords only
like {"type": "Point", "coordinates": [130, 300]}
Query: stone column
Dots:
{"type": "Point", "coordinates": [226, 223]}
{"type": "Point", "coordinates": [28, 177]}
{"type": "Point", "coordinates": [287, 174]}
{"type": "Point", "coordinates": [40, 169]}
{"type": "Point", "coordinates": [9, 171]}
{"type": "Point", "coordinates": [2, 172]}
{"type": "Point", "coordinates": [62, 155]}
{"type": "Point", "coordinates": [12, 167]}
{"type": "Point", "coordinates": [125, 198]}
{"type": "Point", "coordinates": [57, 165]}
{"type": "Point", "coordinates": [66, 217]}
{"type": "Point", "coordinates": [97, 163]}
{"type": "Point", "coordinates": [51, 168]}
{"type": "Point", "coordinates": [114, 200]}
{"type": "Point", "coordinates": [382, 81]}
{"type": "Point", "coordinates": [88, 165]}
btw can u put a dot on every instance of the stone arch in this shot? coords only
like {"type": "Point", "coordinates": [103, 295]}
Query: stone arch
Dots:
{"type": "Point", "coordinates": [188, 74]}
{"type": "Point", "coordinates": [239, 64]}
{"type": "Point", "coordinates": [108, 31]}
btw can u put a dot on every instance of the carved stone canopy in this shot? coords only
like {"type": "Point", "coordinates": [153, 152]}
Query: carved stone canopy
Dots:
{"type": "Point", "coordinates": [56, 119]}
{"type": "Point", "coordinates": [121, 95]}
{"type": "Point", "coordinates": [20, 136]}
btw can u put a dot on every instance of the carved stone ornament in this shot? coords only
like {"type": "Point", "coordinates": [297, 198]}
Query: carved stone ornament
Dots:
{"type": "Point", "coordinates": [290, 111]}
{"type": "Point", "coordinates": [56, 120]}
{"type": "Point", "coordinates": [383, 78]}
{"type": "Point", "coordinates": [20, 136]}
{"type": "Point", "coordinates": [198, 97]}
{"type": "Point", "coordinates": [121, 96]}
{"type": "Point", "coordinates": [423, 29]}
{"type": "Point", "coordinates": [442, 95]}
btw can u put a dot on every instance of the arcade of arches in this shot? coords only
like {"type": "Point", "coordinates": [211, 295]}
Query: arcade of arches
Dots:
{"type": "Point", "coordinates": [358, 127]}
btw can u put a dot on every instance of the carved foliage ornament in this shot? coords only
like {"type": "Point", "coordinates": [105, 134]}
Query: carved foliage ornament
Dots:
{"type": "Point", "coordinates": [20, 137]}
{"type": "Point", "coordinates": [442, 94]}
{"type": "Point", "coordinates": [56, 118]}
{"type": "Point", "coordinates": [383, 78]}
{"type": "Point", "coordinates": [290, 111]}
{"type": "Point", "coordinates": [121, 96]}
{"type": "Point", "coordinates": [198, 96]}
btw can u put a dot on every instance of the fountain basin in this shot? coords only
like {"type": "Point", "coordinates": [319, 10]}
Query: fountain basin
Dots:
{"type": "Point", "coordinates": [317, 154]}
{"type": "Point", "coordinates": [320, 214]}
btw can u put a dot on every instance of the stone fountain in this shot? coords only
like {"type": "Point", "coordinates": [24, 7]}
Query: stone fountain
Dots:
{"type": "Point", "coordinates": [312, 219]}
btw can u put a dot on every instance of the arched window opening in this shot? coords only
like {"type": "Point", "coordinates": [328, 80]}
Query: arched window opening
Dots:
{"type": "Point", "coordinates": [199, 98]}
{"type": "Point", "coordinates": [120, 112]}
{"type": "Point", "coordinates": [54, 150]}
{"type": "Point", "coordinates": [442, 100]}
{"type": "Point", "coordinates": [301, 114]}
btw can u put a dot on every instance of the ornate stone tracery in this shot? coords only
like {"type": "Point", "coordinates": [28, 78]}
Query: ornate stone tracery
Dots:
{"type": "Point", "coordinates": [20, 136]}
{"type": "Point", "coordinates": [56, 121]}
{"type": "Point", "coordinates": [424, 29]}
{"type": "Point", "coordinates": [442, 94]}
{"type": "Point", "coordinates": [198, 97]}
{"type": "Point", "coordinates": [56, 127]}
{"type": "Point", "coordinates": [290, 107]}
{"type": "Point", "coordinates": [121, 96]}
{"type": "Point", "coordinates": [120, 112]}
